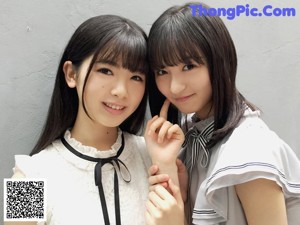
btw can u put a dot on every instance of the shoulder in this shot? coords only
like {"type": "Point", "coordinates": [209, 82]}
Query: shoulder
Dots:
{"type": "Point", "coordinates": [250, 124]}
{"type": "Point", "coordinates": [32, 166]}
{"type": "Point", "coordinates": [251, 136]}
{"type": "Point", "coordinates": [252, 141]}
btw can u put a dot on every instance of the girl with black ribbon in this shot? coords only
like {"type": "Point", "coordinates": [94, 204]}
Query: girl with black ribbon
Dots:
{"type": "Point", "coordinates": [94, 164]}
{"type": "Point", "coordinates": [240, 172]}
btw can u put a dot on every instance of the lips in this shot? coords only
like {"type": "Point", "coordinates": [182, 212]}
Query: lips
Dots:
{"type": "Point", "coordinates": [183, 98]}
{"type": "Point", "coordinates": [114, 106]}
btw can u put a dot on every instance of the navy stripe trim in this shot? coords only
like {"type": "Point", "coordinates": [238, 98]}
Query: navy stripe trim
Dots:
{"type": "Point", "coordinates": [228, 168]}
{"type": "Point", "coordinates": [204, 212]}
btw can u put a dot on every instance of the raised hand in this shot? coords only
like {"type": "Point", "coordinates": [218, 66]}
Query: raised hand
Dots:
{"type": "Point", "coordinates": [163, 138]}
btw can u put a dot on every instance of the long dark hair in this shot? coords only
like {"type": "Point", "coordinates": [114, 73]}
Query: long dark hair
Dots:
{"type": "Point", "coordinates": [106, 38]}
{"type": "Point", "coordinates": [178, 35]}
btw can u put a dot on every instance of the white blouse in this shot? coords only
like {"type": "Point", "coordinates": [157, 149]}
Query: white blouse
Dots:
{"type": "Point", "coordinates": [73, 198]}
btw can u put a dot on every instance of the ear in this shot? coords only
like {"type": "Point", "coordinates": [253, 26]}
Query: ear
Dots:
{"type": "Point", "coordinates": [70, 74]}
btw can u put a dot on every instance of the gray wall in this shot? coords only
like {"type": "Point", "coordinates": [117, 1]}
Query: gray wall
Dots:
{"type": "Point", "coordinates": [33, 34]}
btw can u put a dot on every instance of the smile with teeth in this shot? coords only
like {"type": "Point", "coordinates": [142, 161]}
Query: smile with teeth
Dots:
{"type": "Point", "coordinates": [115, 107]}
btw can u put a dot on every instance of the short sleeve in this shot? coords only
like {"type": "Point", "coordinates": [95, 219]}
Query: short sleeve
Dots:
{"type": "Point", "coordinates": [26, 165]}
{"type": "Point", "coordinates": [252, 151]}
{"type": "Point", "coordinates": [33, 166]}
{"type": "Point", "coordinates": [29, 166]}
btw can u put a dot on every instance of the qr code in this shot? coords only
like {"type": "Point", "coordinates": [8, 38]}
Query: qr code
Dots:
{"type": "Point", "coordinates": [24, 199]}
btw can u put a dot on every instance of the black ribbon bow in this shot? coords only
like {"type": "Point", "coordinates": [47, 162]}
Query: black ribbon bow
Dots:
{"type": "Point", "coordinates": [116, 163]}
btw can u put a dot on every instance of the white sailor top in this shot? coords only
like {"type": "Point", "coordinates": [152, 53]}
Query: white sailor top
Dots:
{"type": "Point", "coordinates": [250, 152]}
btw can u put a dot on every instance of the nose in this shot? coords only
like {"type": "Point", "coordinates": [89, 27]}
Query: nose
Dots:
{"type": "Point", "coordinates": [177, 85]}
{"type": "Point", "coordinates": [119, 89]}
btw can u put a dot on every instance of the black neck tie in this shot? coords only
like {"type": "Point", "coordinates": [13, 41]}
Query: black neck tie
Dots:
{"type": "Point", "coordinates": [117, 163]}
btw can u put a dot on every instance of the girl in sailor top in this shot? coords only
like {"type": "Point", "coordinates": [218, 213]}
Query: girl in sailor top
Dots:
{"type": "Point", "coordinates": [240, 172]}
{"type": "Point", "coordinates": [94, 164]}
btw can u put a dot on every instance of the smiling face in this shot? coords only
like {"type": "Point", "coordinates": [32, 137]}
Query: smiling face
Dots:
{"type": "Point", "coordinates": [112, 93]}
{"type": "Point", "coordinates": [188, 87]}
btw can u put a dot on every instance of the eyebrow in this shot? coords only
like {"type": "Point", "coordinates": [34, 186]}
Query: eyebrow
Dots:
{"type": "Point", "coordinates": [199, 60]}
{"type": "Point", "coordinates": [112, 63]}
{"type": "Point", "coordinates": [109, 62]}
{"type": "Point", "coordinates": [195, 58]}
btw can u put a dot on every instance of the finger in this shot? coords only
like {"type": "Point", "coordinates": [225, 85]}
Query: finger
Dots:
{"type": "Point", "coordinates": [149, 220]}
{"type": "Point", "coordinates": [164, 109]}
{"type": "Point", "coordinates": [180, 166]}
{"type": "Point", "coordinates": [164, 195]}
{"type": "Point", "coordinates": [148, 125]}
{"type": "Point", "coordinates": [156, 125]}
{"type": "Point", "coordinates": [153, 170]}
{"type": "Point", "coordinates": [176, 191]}
{"type": "Point", "coordinates": [179, 162]}
{"type": "Point", "coordinates": [163, 131]}
{"type": "Point", "coordinates": [156, 199]}
{"type": "Point", "coordinates": [159, 178]}
{"type": "Point", "coordinates": [152, 209]}
{"type": "Point", "coordinates": [175, 132]}
{"type": "Point", "coordinates": [163, 184]}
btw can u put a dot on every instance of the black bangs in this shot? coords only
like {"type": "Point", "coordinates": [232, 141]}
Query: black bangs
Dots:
{"type": "Point", "coordinates": [172, 42]}
{"type": "Point", "coordinates": [126, 49]}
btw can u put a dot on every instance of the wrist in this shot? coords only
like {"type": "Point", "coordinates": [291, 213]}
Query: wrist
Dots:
{"type": "Point", "coordinates": [165, 161]}
{"type": "Point", "coordinates": [168, 168]}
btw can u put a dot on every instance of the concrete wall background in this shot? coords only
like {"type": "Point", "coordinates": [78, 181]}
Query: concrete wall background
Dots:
{"type": "Point", "coordinates": [33, 34]}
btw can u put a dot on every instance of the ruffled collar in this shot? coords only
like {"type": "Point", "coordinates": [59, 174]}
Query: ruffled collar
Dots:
{"type": "Point", "coordinates": [86, 150]}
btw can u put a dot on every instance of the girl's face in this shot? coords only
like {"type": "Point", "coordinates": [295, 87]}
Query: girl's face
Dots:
{"type": "Point", "coordinates": [188, 87]}
{"type": "Point", "coordinates": [111, 94]}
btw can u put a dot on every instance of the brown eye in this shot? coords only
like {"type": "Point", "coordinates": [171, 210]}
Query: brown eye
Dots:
{"type": "Point", "coordinates": [188, 67]}
{"type": "Point", "coordinates": [105, 71]}
{"type": "Point", "coordinates": [137, 78]}
{"type": "Point", "coordinates": [160, 72]}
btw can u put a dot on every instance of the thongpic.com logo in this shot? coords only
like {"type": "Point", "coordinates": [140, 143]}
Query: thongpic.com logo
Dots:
{"type": "Point", "coordinates": [246, 10]}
